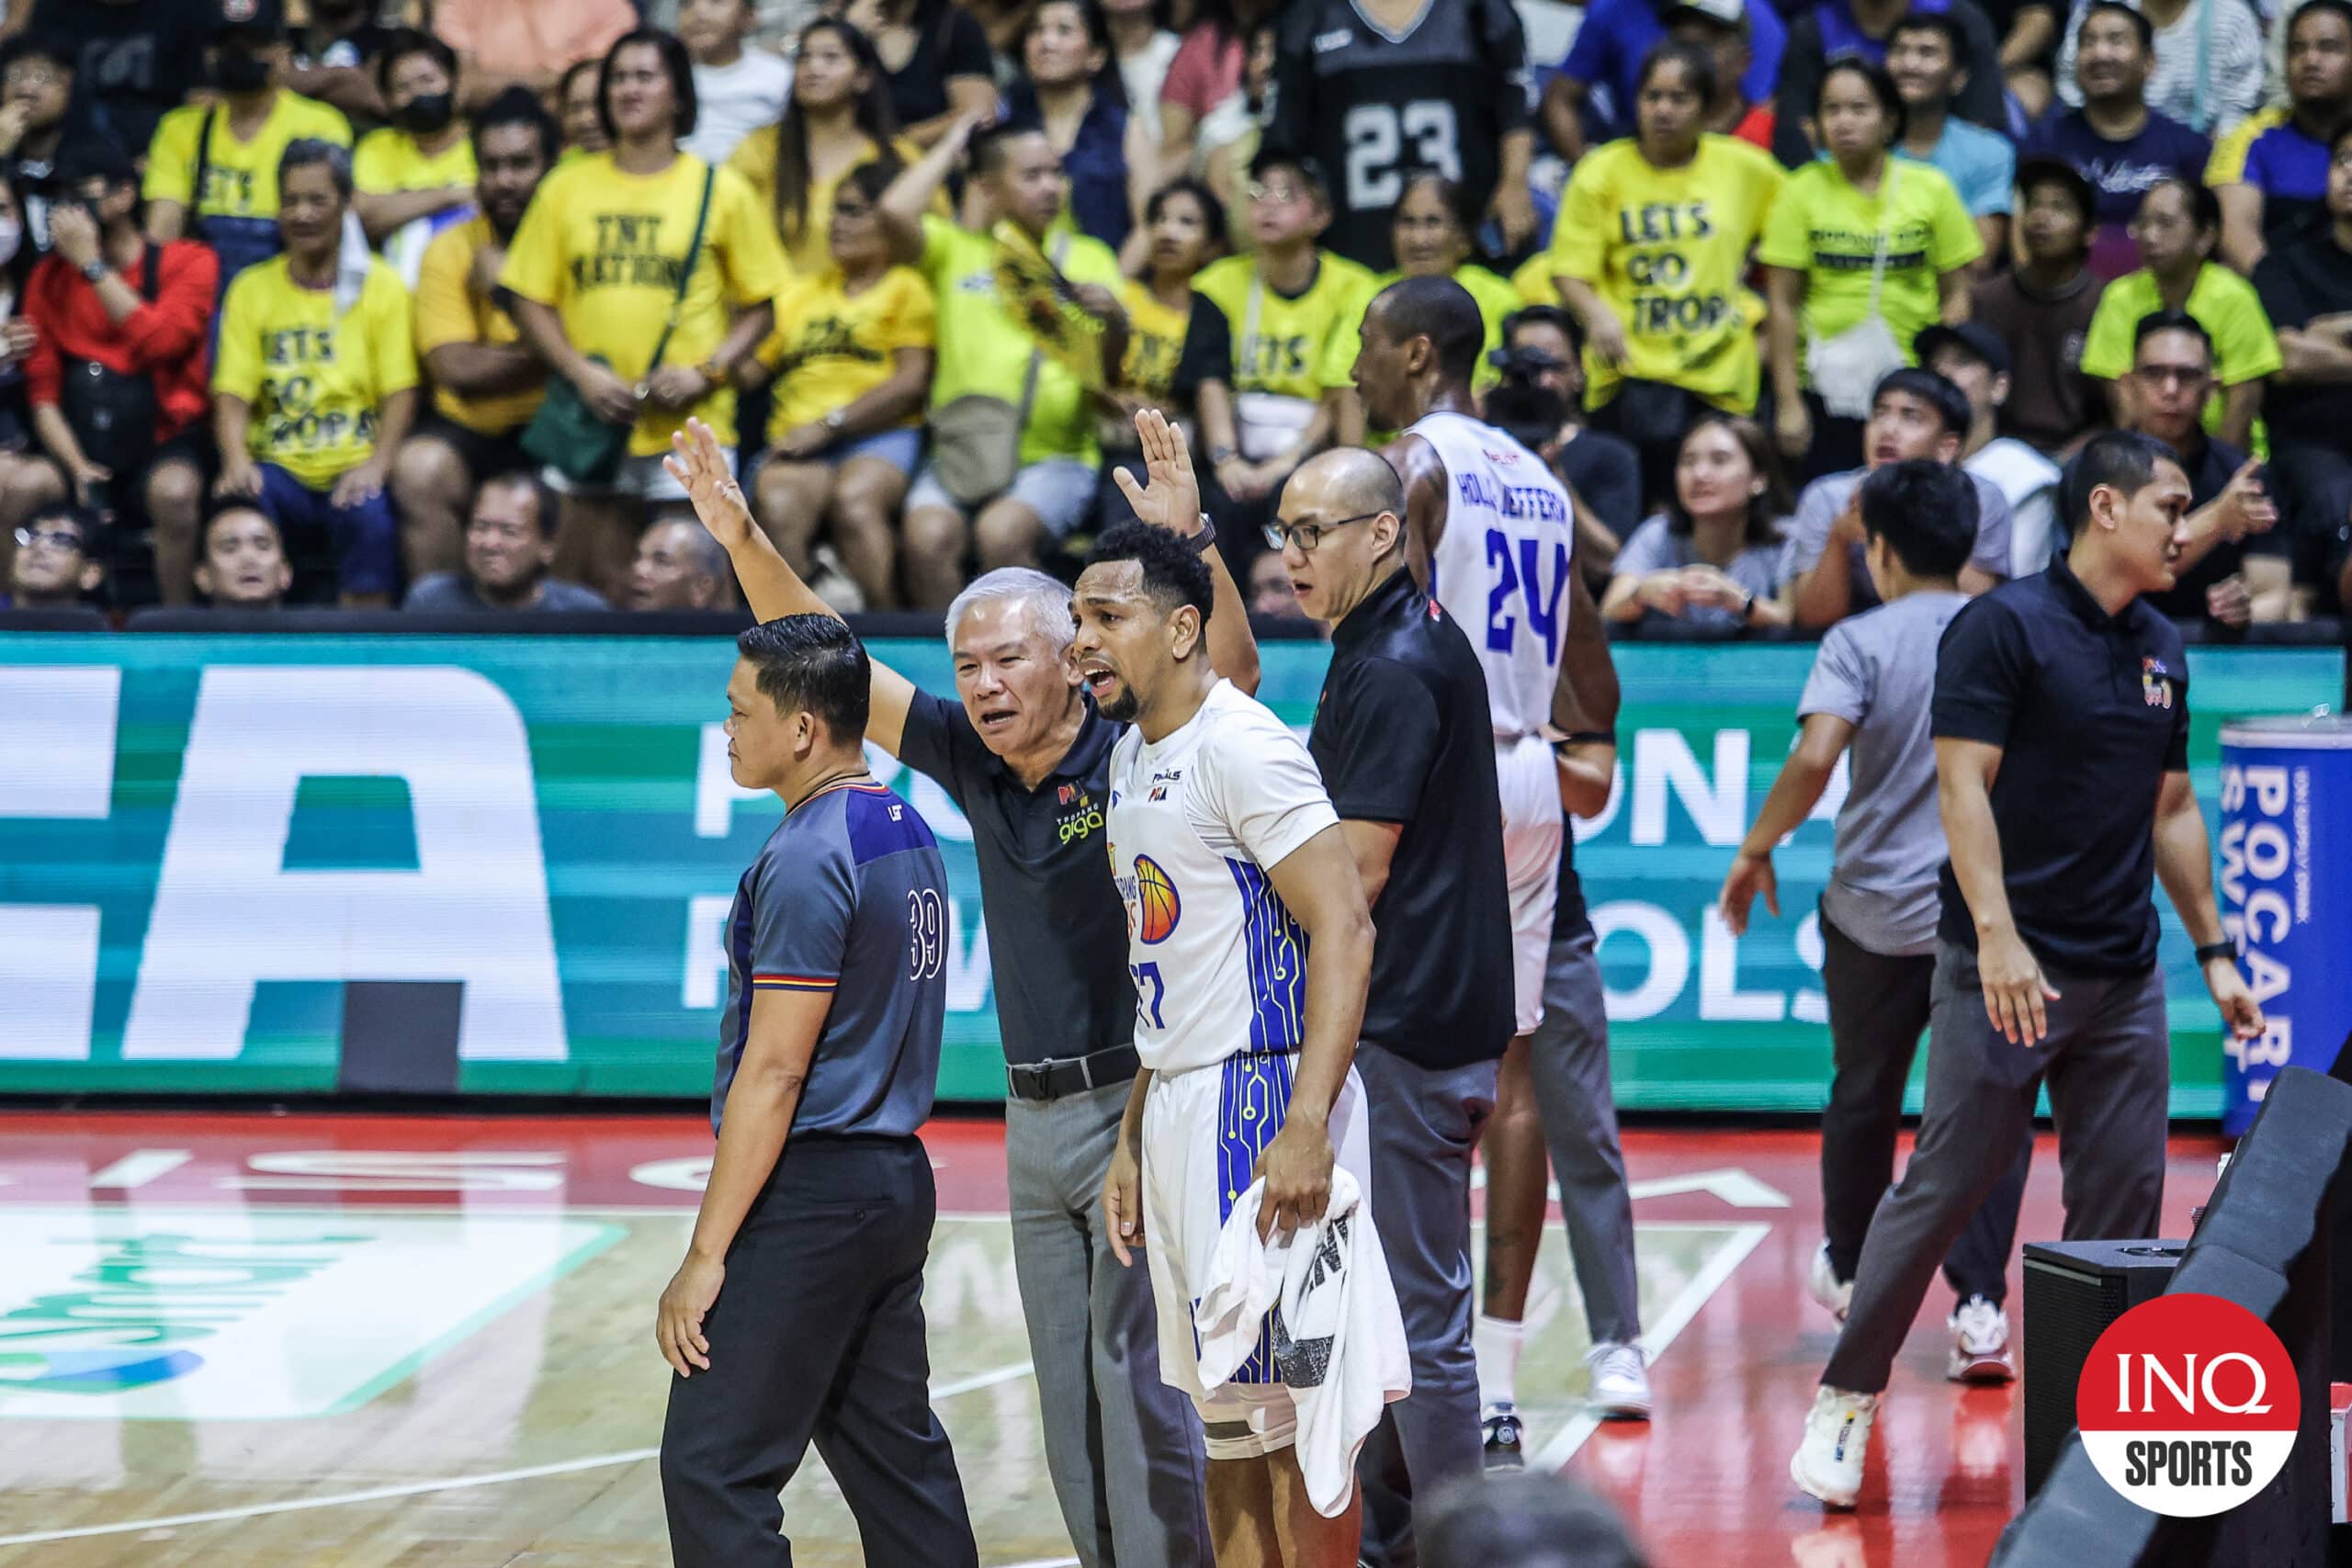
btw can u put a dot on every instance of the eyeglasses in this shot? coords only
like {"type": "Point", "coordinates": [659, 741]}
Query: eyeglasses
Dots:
{"type": "Point", "coordinates": [1306, 536]}
{"type": "Point", "coordinates": [62, 538]}
{"type": "Point", "coordinates": [2166, 374]}
{"type": "Point", "coordinates": [1280, 196]}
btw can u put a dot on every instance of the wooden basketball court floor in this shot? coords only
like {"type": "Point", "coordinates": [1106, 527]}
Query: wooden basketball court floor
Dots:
{"type": "Point", "coordinates": [300, 1340]}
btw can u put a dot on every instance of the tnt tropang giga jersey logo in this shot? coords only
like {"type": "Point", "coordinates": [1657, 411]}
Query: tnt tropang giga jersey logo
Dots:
{"type": "Point", "coordinates": [2188, 1405]}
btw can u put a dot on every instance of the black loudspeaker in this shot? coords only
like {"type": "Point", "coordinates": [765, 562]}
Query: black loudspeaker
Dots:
{"type": "Point", "coordinates": [2072, 1290]}
{"type": "Point", "coordinates": [2264, 1243]}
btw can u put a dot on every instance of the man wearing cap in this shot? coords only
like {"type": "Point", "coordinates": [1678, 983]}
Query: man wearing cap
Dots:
{"type": "Point", "coordinates": [1611, 45]}
{"type": "Point", "coordinates": [213, 168]}
{"type": "Point", "coordinates": [2041, 311]}
{"type": "Point", "coordinates": [1976, 361]}
{"type": "Point", "coordinates": [1727, 32]}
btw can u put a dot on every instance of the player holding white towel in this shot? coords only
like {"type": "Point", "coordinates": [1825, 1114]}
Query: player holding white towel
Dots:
{"type": "Point", "coordinates": [1251, 948]}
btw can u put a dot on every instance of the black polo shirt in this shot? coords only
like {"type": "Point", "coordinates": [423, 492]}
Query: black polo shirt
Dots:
{"type": "Point", "coordinates": [2091, 711]}
{"type": "Point", "coordinates": [1058, 933]}
{"type": "Point", "coordinates": [1402, 735]}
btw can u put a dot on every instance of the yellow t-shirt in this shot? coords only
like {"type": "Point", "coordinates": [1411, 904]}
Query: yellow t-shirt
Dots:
{"type": "Point", "coordinates": [1302, 347]}
{"type": "Point", "coordinates": [985, 350]}
{"type": "Point", "coordinates": [1496, 298]}
{"type": "Point", "coordinates": [1532, 278]}
{"type": "Point", "coordinates": [388, 161]}
{"type": "Point", "coordinates": [1824, 228]}
{"type": "Point", "coordinates": [831, 348]}
{"type": "Point", "coordinates": [1155, 342]}
{"type": "Point", "coordinates": [2225, 305]}
{"type": "Point", "coordinates": [448, 311]}
{"type": "Point", "coordinates": [755, 159]}
{"type": "Point", "coordinates": [1667, 250]}
{"type": "Point", "coordinates": [315, 383]}
{"type": "Point", "coordinates": [604, 249]}
{"type": "Point", "coordinates": [240, 181]}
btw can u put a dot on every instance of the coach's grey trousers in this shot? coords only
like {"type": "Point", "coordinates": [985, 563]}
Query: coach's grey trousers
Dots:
{"type": "Point", "coordinates": [1425, 1124]}
{"type": "Point", "coordinates": [1123, 1448]}
{"type": "Point", "coordinates": [1568, 1060]}
{"type": "Point", "coordinates": [2109, 1062]}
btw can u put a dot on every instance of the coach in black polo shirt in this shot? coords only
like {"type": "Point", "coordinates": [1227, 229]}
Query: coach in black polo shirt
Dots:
{"type": "Point", "coordinates": [2060, 720]}
{"type": "Point", "coordinates": [1402, 736]}
{"type": "Point", "coordinates": [1026, 758]}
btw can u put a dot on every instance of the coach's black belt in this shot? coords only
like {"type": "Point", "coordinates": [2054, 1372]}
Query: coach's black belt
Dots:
{"type": "Point", "coordinates": [1073, 1075]}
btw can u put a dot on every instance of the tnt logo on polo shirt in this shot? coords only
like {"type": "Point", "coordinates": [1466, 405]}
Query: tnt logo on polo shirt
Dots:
{"type": "Point", "coordinates": [2188, 1405]}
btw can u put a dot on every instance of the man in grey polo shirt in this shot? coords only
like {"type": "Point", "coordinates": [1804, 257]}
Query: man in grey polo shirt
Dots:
{"type": "Point", "coordinates": [1914, 413]}
{"type": "Point", "coordinates": [1870, 691]}
{"type": "Point", "coordinates": [1026, 757]}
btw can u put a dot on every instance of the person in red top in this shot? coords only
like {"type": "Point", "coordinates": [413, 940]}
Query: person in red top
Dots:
{"type": "Point", "coordinates": [1722, 29]}
{"type": "Point", "coordinates": [116, 378]}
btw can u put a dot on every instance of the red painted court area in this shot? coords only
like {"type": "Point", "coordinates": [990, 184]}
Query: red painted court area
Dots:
{"type": "Point", "coordinates": [1705, 1483]}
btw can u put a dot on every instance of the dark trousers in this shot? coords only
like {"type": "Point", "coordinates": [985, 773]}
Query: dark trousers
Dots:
{"type": "Point", "coordinates": [1878, 1007]}
{"type": "Point", "coordinates": [365, 539]}
{"type": "Point", "coordinates": [1837, 443]}
{"type": "Point", "coordinates": [1424, 1124]}
{"type": "Point", "coordinates": [2109, 1061]}
{"type": "Point", "coordinates": [818, 1337]}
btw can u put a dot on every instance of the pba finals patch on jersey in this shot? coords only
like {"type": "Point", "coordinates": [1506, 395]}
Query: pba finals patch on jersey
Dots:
{"type": "Point", "coordinates": [2155, 683]}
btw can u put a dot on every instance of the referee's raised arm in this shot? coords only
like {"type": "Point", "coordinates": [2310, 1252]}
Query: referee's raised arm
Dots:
{"type": "Point", "coordinates": [770, 586]}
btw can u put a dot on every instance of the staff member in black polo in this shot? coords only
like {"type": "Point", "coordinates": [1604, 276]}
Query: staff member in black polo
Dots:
{"type": "Point", "coordinates": [1026, 758]}
{"type": "Point", "coordinates": [2061, 723]}
{"type": "Point", "coordinates": [1402, 737]}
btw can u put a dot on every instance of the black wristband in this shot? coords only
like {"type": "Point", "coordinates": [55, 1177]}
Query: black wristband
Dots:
{"type": "Point", "coordinates": [1588, 738]}
{"type": "Point", "coordinates": [1204, 539]}
{"type": "Point", "coordinates": [2212, 950]}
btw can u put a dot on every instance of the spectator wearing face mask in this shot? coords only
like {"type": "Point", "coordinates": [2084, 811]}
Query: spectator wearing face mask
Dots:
{"type": "Point", "coordinates": [117, 377]}
{"type": "Point", "coordinates": [415, 177]}
{"type": "Point", "coordinates": [244, 567]}
{"type": "Point", "coordinates": [213, 169]}
{"type": "Point", "coordinates": [510, 544]}
{"type": "Point", "coordinates": [680, 566]}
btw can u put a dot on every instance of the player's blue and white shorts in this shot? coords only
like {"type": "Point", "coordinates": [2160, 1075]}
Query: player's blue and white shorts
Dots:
{"type": "Point", "coordinates": [1529, 777]}
{"type": "Point", "coordinates": [1202, 1131]}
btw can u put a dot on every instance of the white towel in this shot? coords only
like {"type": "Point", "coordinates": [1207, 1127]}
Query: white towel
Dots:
{"type": "Point", "coordinates": [1340, 1338]}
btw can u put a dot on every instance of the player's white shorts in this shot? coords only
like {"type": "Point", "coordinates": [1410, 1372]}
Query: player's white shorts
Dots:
{"type": "Point", "coordinates": [1530, 778]}
{"type": "Point", "coordinates": [1202, 1131]}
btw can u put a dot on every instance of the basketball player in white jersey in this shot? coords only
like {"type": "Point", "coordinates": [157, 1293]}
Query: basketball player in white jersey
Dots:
{"type": "Point", "coordinates": [1250, 947]}
{"type": "Point", "coordinates": [1490, 531]}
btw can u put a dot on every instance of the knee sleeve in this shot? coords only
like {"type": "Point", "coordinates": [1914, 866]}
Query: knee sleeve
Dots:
{"type": "Point", "coordinates": [1247, 1421]}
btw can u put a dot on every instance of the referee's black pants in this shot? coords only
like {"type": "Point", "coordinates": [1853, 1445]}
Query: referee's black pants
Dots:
{"type": "Point", "coordinates": [1878, 1009]}
{"type": "Point", "coordinates": [818, 1337]}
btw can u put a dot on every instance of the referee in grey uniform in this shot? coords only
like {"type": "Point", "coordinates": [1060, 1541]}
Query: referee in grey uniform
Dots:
{"type": "Point", "coordinates": [1402, 737]}
{"type": "Point", "coordinates": [2061, 723]}
{"type": "Point", "coordinates": [1026, 758]}
{"type": "Point", "coordinates": [797, 1316]}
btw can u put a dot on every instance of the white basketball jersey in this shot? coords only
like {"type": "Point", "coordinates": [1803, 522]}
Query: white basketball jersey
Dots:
{"type": "Point", "coordinates": [1219, 966]}
{"type": "Point", "coordinates": [1501, 565]}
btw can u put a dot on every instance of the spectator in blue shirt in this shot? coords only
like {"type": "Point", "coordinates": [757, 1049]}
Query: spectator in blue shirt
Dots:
{"type": "Point", "coordinates": [1070, 90]}
{"type": "Point", "coordinates": [2124, 147]}
{"type": "Point", "coordinates": [1924, 57]}
{"type": "Point", "coordinates": [1616, 35]}
{"type": "Point", "coordinates": [2271, 171]}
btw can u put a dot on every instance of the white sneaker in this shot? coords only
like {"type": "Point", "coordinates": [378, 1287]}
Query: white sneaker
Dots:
{"type": "Point", "coordinates": [830, 582]}
{"type": "Point", "coordinates": [1825, 1286]}
{"type": "Point", "coordinates": [1828, 1464]}
{"type": "Point", "coordinates": [1621, 1387]}
{"type": "Point", "coordinates": [1980, 1343]}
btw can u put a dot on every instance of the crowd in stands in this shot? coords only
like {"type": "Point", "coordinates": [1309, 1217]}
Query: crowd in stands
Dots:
{"type": "Point", "coordinates": [398, 305]}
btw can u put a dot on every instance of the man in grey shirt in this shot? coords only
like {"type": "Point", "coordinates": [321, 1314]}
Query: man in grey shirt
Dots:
{"type": "Point", "coordinates": [1870, 689]}
{"type": "Point", "coordinates": [1914, 413]}
{"type": "Point", "coordinates": [510, 540]}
